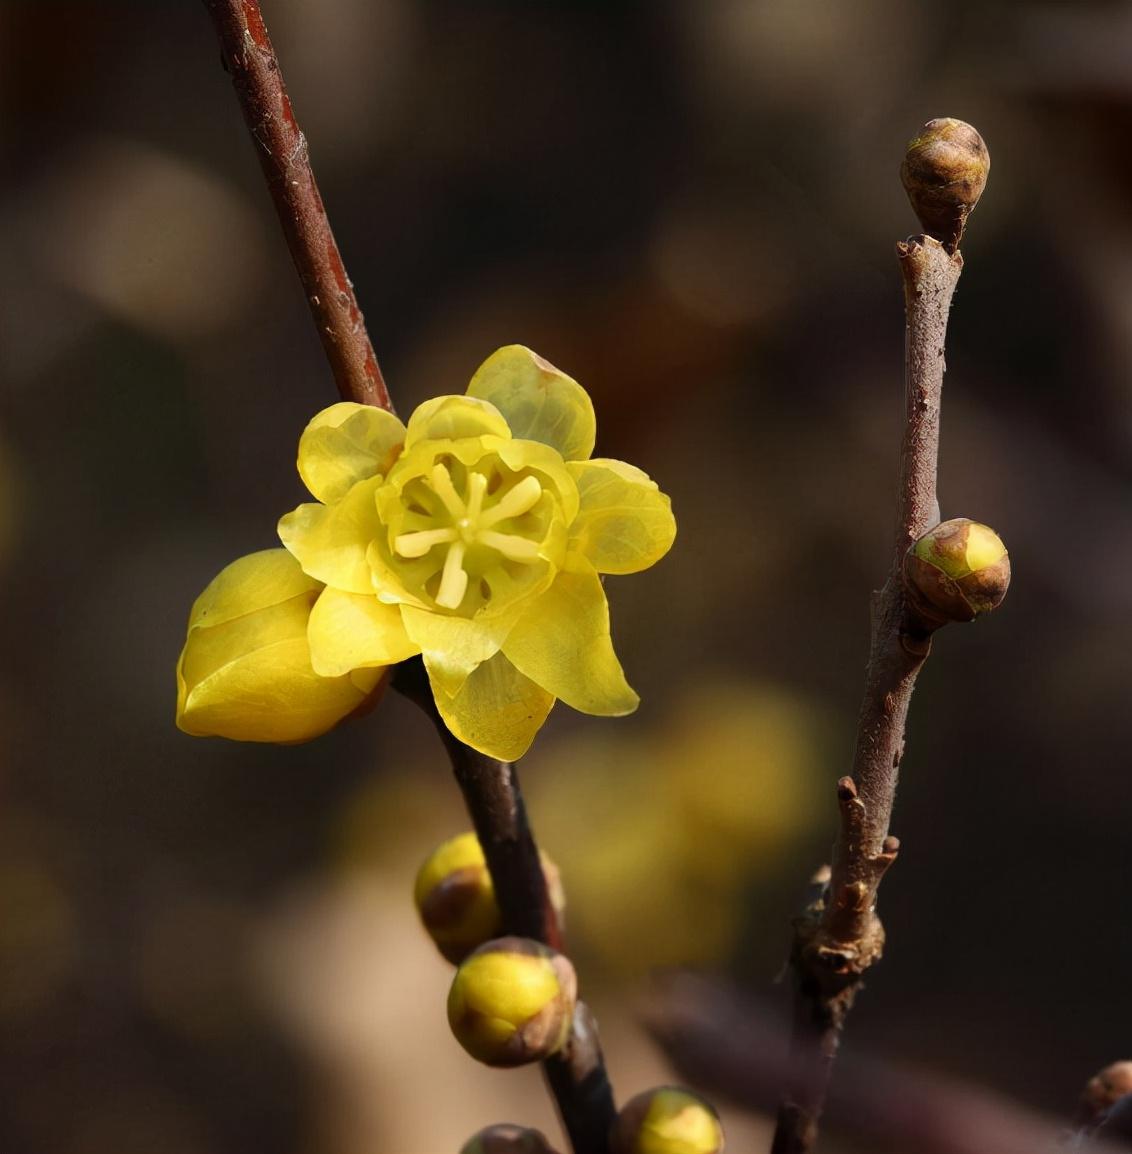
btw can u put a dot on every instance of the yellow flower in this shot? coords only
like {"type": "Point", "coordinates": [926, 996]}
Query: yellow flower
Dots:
{"type": "Point", "coordinates": [475, 537]}
{"type": "Point", "coordinates": [245, 671]}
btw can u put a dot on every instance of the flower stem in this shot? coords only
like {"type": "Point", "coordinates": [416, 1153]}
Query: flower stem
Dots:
{"type": "Point", "coordinates": [284, 157]}
{"type": "Point", "coordinates": [839, 936]}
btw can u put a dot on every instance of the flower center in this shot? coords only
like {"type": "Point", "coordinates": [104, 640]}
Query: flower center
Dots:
{"type": "Point", "coordinates": [473, 519]}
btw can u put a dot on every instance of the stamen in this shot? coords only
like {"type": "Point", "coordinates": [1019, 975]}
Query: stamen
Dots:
{"type": "Point", "coordinates": [512, 547]}
{"type": "Point", "coordinates": [477, 486]}
{"type": "Point", "coordinates": [522, 499]}
{"type": "Point", "coordinates": [418, 544]}
{"type": "Point", "coordinates": [446, 491]}
{"type": "Point", "coordinates": [453, 581]}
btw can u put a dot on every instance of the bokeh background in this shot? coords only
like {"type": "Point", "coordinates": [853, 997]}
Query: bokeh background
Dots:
{"type": "Point", "coordinates": [690, 206]}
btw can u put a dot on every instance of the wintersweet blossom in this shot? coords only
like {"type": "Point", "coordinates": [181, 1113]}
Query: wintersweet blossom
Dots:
{"type": "Point", "coordinates": [475, 536]}
{"type": "Point", "coordinates": [245, 671]}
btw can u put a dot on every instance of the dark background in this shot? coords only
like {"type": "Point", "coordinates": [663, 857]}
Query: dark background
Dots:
{"type": "Point", "coordinates": [691, 207]}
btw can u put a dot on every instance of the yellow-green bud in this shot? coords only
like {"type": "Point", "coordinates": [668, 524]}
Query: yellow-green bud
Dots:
{"type": "Point", "coordinates": [512, 1002]}
{"type": "Point", "coordinates": [956, 571]}
{"type": "Point", "coordinates": [667, 1120]}
{"type": "Point", "coordinates": [456, 900]}
{"type": "Point", "coordinates": [506, 1139]}
{"type": "Point", "coordinates": [944, 172]}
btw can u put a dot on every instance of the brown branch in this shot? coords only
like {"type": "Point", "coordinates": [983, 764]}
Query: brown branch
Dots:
{"type": "Point", "coordinates": [840, 937]}
{"type": "Point", "coordinates": [577, 1075]}
{"type": "Point", "coordinates": [283, 154]}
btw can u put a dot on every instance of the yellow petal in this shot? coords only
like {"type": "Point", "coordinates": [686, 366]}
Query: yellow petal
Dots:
{"type": "Point", "coordinates": [563, 643]}
{"type": "Point", "coordinates": [330, 541]}
{"type": "Point", "coordinates": [453, 418]}
{"type": "Point", "coordinates": [497, 711]}
{"type": "Point", "coordinates": [345, 444]}
{"type": "Point", "coordinates": [624, 521]}
{"type": "Point", "coordinates": [540, 402]}
{"type": "Point", "coordinates": [351, 630]}
{"type": "Point", "coordinates": [250, 583]}
{"type": "Point", "coordinates": [271, 694]}
{"type": "Point", "coordinates": [547, 462]}
{"type": "Point", "coordinates": [245, 671]}
{"type": "Point", "coordinates": [454, 646]}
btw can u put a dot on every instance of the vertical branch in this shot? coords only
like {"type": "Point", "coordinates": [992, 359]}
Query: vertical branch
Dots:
{"type": "Point", "coordinates": [577, 1075]}
{"type": "Point", "coordinates": [839, 936]}
{"type": "Point", "coordinates": [284, 157]}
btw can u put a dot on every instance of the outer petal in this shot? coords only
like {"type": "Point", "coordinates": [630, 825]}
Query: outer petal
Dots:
{"type": "Point", "coordinates": [497, 711]}
{"type": "Point", "coordinates": [272, 694]}
{"type": "Point", "coordinates": [563, 643]}
{"type": "Point", "coordinates": [350, 630]}
{"type": "Point", "coordinates": [250, 583]}
{"type": "Point", "coordinates": [454, 647]}
{"type": "Point", "coordinates": [624, 521]}
{"type": "Point", "coordinates": [330, 541]}
{"type": "Point", "coordinates": [454, 418]}
{"type": "Point", "coordinates": [540, 402]}
{"type": "Point", "coordinates": [345, 444]}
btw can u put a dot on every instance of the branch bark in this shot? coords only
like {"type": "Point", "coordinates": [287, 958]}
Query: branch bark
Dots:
{"type": "Point", "coordinates": [577, 1075]}
{"type": "Point", "coordinates": [283, 154]}
{"type": "Point", "coordinates": [839, 936]}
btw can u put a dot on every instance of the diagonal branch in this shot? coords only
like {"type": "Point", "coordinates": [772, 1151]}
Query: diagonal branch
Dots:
{"type": "Point", "coordinates": [577, 1075]}
{"type": "Point", "coordinates": [285, 159]}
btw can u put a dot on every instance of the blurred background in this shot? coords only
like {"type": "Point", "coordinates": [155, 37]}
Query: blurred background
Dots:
{"type": "Point", "coordinates": [208, 948]}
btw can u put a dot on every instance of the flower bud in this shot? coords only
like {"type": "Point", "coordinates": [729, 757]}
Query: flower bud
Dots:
{"type": "Point", "coordinates": [507, 1139]}
{"type": "Point", "coordinates": [456, 900]}
{"type": "Point", "coordinates": [245, 671]}
{"type": "Point", "coordinates": [512, 1002]}
{"type": "Point", "coordinates": [667, 1120]}
{"type": "Point", "coordinates": [1103, 1091]}
{"type": "Point", "coordinates": [956, 571]}
{"type": "Point", "coordinates": [944, 172]}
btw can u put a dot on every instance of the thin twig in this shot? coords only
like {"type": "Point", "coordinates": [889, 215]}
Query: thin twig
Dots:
{"type": "Point", "coordinates": [577, 1075]}
{"type": "Point", "coordinates": [283, 154]}
{"type": "Point", "coordinates": [840, 936]}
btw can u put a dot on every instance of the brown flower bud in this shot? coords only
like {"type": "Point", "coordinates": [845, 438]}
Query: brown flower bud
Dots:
{"type": "Point", "coordinates": [456, 900]}
{"type": "Point", "coordinates": [1102, 1092]}
{"type": "Point", "coordinates": [956, 571]}
{"type": "Point", "coordinates": [512, 1002]}
{"type": "Point", "coordinates": [507, 1139]}
{"type": "Point", "coordinates": [666, 1120]}
{"type": "Point", "coordinates": [944, 172]}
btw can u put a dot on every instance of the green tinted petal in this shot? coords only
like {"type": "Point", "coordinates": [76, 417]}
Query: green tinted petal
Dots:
{"type": "Point", "coordinates": [350, 630]}
{"type": "Point", "coordinates": [540, 402]}
{"type": "Point", "coordinates": [330, 541]}
{"type": "Point", "coordinates": [454, 646]}
{"type": "Point", "coordinates": [624, 521]}
{"type": "Point", "coordinates": [497, 711]}
{"type": "Point", "coordinates": [250, 583]}
{"type": "Point", "coordinates": [345, 444]}
{"type": "Point", "coordinates": [454, 418]}
{"type": "Point", "coordinates": [563, 643]}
